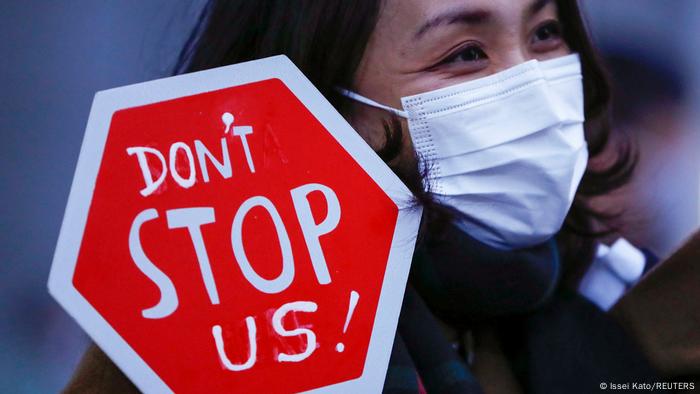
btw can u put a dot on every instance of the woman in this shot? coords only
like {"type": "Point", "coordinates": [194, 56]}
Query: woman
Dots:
{"type": "Point", "coordinates": [491, 305]}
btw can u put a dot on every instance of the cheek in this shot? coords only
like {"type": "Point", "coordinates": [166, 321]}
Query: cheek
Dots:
{"type": "Point", "coordinates": [426, 82]}
{"type": "Point", "coordinates": [563, 51]}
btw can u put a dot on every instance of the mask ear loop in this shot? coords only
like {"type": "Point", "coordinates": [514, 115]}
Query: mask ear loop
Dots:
{"type": "Point", "coordinates": [371, 103]}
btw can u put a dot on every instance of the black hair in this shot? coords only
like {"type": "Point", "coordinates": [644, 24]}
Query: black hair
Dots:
{"type": "Point", "coordinates": [663, 84]}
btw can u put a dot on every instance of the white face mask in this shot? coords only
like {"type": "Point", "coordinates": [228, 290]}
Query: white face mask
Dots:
{"type": "Point", "coordinates": [506, 150]}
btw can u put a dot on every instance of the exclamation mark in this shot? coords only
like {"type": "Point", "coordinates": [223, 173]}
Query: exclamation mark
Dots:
{"type": "Point", "coordinates": [354, 297]}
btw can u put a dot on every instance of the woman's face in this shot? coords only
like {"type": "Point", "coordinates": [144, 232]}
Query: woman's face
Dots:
{"type": "Point", "coordinates": [422, 45]}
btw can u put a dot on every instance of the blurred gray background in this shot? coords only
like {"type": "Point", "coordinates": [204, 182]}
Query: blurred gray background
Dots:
{"type": "Point", "coordinates": [55, 55]}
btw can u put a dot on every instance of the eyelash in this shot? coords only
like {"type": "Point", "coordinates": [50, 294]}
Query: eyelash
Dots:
{"type": "Point", "coordinates": [553, 29]}
{"type": "Point", "coordinates": [476, 53]}
{"type": "Point", "coordinates": [473, 49]}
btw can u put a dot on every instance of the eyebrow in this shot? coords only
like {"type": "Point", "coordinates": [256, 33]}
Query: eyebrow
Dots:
{"type": "Point", "coordinates": [537, 6]}
{"type": "Point", "coordinates": [471, 17]}
{"type": "Point", "coordinates": [461, 16]}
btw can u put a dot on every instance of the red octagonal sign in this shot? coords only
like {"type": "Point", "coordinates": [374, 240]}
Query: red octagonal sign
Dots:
{"type": "Point", "coordinates": [228, 231]}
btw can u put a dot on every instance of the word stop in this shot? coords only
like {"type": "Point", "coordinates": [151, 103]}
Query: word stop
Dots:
{"type": "Point", "coordinates": [195, 217]}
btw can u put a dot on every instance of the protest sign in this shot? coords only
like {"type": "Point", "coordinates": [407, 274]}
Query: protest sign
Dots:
{"type": "Point", "coordinates": [228, 231]}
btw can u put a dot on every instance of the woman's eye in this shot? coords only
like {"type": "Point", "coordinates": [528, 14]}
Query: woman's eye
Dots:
{"type": "Point", "coordinates": [547, 37]}
{"type": "Point", "coordinates": [468, 58]}
{"type": "Point", "coordinates": [471, 53]}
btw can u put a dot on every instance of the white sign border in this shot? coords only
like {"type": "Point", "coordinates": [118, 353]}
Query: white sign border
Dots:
{"type": "Point", "coordinates": [109, 101]}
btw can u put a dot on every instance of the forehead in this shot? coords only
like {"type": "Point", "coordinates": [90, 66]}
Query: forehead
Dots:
{"type": "Point", "coordinates": [408, 17]}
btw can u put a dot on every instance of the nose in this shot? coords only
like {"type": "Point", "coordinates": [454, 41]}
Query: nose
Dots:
{"type": "Point", "coordinates": [515, 55]}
